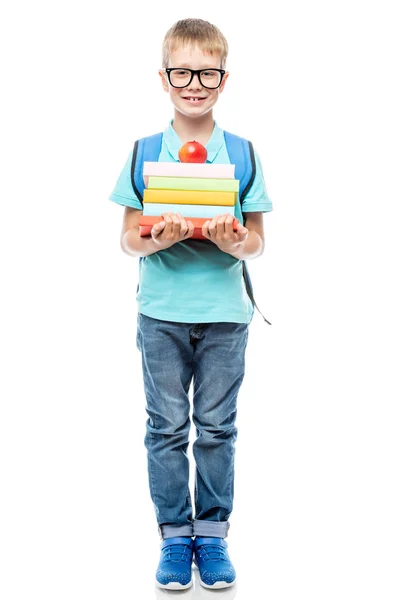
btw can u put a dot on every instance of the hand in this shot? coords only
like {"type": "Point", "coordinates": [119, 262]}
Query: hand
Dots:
{"type": "Point", "coordinates": [173, 228]}
{"type": "Point", "coordinates": [220, 231]}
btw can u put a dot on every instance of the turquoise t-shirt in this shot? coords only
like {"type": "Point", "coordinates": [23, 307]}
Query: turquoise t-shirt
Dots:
{"type": "Point", "coordinates": [194, 281]}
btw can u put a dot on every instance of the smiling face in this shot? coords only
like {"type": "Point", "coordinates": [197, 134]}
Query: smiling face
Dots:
{"type": "Point", "coordinates": [194, 100]}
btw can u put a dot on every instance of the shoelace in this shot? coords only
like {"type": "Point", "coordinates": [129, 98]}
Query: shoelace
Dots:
{"type": "Point", "coordinates": [206, 551]}
{"type": "Point", "coordinates": [176, 552]}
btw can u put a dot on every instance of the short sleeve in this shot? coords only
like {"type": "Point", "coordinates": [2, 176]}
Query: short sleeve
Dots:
{"type": "Point", "coordinates": [257, 199]}
{"type": "Point", "coordinates": [123, 192]}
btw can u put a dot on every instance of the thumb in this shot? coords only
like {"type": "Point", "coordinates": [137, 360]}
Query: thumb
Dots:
{"type": "Point", "coordinates": [157, 228]}
{"type": "Point", "coordinates": [242, 231]}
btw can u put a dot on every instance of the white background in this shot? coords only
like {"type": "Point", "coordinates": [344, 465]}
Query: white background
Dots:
{"type": "Point", "coordinates": [314, 85]}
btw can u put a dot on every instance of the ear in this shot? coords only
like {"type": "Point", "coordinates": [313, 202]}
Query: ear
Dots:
{"type": "Point", "coordinates": [221, 87]}
{"type": "Point", "coordinates": [164, 80]}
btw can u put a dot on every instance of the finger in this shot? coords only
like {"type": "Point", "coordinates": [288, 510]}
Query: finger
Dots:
{"type": "Point", "coordinates": [168, 222]}
{"type": "Point", "coordinates": [160, 225]}
{"type": "Point", "coordinates": [204, 229]}
{"type": "Point", "coordinates": [221, 225]}
{"type": "Point", "coordinates": [240, 227]}
{"type": "Point", "coordinates": [242, 233]}
{"type": "Point", "coordinates": [157, 228]}
{"type": "Point", "coordinates": [176, 225]}
{"type": "Point", "coordinates": [229, 224]}
{"type": "Point", "coordinates": [183, 225]}
{"type": "Point", "coordinates": [212, 227]}
{"type": "Point", "coordinates": [190, 230]}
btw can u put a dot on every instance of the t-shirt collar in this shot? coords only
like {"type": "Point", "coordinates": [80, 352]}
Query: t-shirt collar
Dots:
{"type": "Point", "coordinates": [213, 146]}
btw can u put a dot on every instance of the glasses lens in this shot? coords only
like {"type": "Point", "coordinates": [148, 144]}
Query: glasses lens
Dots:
{"type": "Point", "coordinates": [210, 78]}
{"type": "Point", "coordinates": [179, 77]}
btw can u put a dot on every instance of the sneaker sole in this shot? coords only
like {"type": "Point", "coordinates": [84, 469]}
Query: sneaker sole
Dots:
{"type": "Point", "coordinates": [174, 585]}
{"type": "Point", "coordinates": [217, 584]}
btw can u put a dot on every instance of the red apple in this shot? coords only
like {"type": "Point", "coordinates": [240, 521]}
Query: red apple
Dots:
{"type": "Point", "coordinates": [192, 152]}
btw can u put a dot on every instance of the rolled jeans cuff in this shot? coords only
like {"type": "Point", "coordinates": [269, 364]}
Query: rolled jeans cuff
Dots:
{"type": "Point", "coordinates": [167, 531]}
{"type": "Point", "coordinates": [211, 528]}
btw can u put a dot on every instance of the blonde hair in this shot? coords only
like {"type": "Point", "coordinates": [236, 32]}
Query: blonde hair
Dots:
{"type": "Point", "coordinates": [195, 31]}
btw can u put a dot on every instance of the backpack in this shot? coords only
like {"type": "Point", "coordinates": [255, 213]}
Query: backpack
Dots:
{"type": "Point", "coordinates": [241, 154]}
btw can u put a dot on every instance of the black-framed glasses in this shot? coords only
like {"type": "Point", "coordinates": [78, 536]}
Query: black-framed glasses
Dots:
{"type": "Point", "coordinates": [209, 78]}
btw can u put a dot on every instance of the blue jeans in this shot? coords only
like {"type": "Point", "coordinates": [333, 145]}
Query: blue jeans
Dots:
{"type": "Point", "coordinates": [213, 354]}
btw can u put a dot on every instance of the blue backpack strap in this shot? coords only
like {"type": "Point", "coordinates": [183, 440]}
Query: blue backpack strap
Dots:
{"type": "Point", "coordinates": [241, 154]}
{"type": "Point", "coordinates": [145, 149]}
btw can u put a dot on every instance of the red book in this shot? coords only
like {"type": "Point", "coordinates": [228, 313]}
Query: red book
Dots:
{"type": "Point", "coordinates": [146, 223]}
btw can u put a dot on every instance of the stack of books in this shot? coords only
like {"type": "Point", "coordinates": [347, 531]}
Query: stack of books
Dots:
{"type": "Point", "coordinates": [199, 191]}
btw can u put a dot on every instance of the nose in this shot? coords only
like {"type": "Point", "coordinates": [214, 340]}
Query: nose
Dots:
{"type": "Point", "coordinates": [195, 83]}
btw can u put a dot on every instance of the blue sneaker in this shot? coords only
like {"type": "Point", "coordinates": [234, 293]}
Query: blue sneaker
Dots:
{"type": "Point", "coordinates": [212, 559]}
{"type": "Point", "coordinates": [175, 568]}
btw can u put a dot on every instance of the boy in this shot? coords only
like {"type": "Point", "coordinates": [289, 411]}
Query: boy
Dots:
{"type": "Point", "coordinates": [193, 318]}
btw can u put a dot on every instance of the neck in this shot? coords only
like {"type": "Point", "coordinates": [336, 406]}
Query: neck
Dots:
{"type": "Point", "coordinates": [199, 129]}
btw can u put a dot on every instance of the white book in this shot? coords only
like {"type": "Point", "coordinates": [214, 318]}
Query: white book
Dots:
{"type": "Point", "coordinates": [178, 169]}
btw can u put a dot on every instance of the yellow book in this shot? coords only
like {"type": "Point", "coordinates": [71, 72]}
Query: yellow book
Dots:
{"type": "Point", "coordinates": [190, 197]}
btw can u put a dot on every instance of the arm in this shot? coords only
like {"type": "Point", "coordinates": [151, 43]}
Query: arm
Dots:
{"type": "Point", "coordinates": [246, 243]}
{"type": "Point", "coordinates": [253, 246]}
{"type": "Point", "coordinates": [131, 242]}
{"type": "Point", "coordinates": [164, 234]}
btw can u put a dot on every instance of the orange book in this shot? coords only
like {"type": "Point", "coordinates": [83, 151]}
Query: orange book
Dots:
{"type": "Point", "coordinates": [146, 224]}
